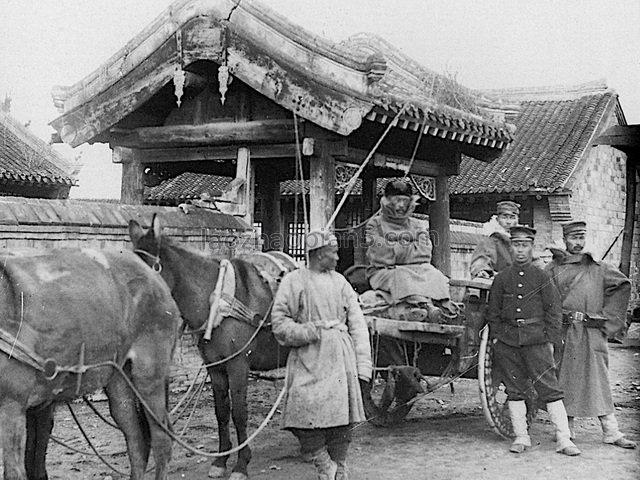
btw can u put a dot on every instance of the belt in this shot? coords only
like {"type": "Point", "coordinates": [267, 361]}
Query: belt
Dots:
{"type": "Point", "coordinates": [580, 317]}
{"type": "Point", "coordinates": [526, 321]}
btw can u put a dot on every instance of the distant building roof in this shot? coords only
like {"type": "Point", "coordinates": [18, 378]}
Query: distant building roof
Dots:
{"type": "Point", "coordinates": [554, 128]}
{"type": "Point", "coordinates": [191, 186]}
{"type": "Point", "coordinates": [38, 211]}
{"type": "Point", "coordinates": [25, 158]}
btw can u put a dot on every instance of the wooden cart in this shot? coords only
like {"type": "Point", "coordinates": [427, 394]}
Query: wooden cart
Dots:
{"type": "Point", "coordinates": [448, 351]}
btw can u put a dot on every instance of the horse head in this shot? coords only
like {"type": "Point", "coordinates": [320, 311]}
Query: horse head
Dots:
{"type": "Point", "coordinates": [190, 274]}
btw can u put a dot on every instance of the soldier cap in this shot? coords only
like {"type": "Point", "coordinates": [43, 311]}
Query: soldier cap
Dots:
{"type": "Point", "coordinates": [508, 207]}
{"type": "Point", "coordinates": [520, 232]}
{"type": "Point", "coordinates": [574, 227]}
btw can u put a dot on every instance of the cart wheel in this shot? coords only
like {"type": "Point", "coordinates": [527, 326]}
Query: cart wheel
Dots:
{"type": "Point", "coordinates": [393, 405]}
{"type": "Point", "coordinates": [492, 390]}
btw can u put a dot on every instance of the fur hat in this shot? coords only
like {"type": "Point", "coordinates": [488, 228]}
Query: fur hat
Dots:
{"type": "Point", "coordinates": [319, 238]}
{"type": "Point", "coordinates": [398, 187]}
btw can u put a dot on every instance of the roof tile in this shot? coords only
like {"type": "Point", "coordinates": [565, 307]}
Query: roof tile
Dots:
{"type": "Point", "coordinates": [550, 138]}
{"type": "Point", "coordinates": [26, 158]}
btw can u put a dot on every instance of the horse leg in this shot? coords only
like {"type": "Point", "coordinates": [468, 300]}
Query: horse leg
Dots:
{"type": "Point", "coordinates": [238, 379]}
{"type": "Point", "coordinates": [14, 435]}
{"type": "Point", "coordinates": [220, 386]}
{"type": "Point", "coordinates": [39, 426]}
{"type": "Point", "coordinates": [122, 405]}
{"type": "Point", "coordinates": [149, 380]}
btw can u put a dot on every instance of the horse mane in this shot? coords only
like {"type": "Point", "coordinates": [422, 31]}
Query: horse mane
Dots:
{"type": "Point", "coordinates": [189, 250]}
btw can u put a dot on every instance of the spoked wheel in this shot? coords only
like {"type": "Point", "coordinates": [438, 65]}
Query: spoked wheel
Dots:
{"type": "Point", "coordinates": [493, 393]}
{"type": "Point", "coordinates": [393, 404]}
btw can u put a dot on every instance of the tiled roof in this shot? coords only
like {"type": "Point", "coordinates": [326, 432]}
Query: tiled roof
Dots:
{"type": "Point", "coordinates": [552, 134]}
{"type": "Point", "coordinates": [26, 158]}
{"type": "Point", "coordinates": [332, 85]}
{"type": "Point", "coordinates": [38, 211]}
{"type": "Point", "coordinates": [190, 186]}
{"type": "Point", "coordinates": [436, 103]}
{"type": "Point", "coordinates": [186, 186]}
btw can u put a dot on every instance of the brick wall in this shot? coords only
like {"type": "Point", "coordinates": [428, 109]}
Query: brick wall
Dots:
{"type": "Point", "coordinates": [598, 187]}
{"type": "Point", "coordinates": [634, 272]}
{"type": "Point", "coordinates": [598, 197]}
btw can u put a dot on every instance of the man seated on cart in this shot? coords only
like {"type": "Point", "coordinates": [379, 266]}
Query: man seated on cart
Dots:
{"type": "Point", "coordinates": [399, 254]}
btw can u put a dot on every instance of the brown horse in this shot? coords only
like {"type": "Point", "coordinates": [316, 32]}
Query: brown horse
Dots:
{"type": "Point", "coordinates": [70, 319]}
{"type": "Point", "coordinates": [191, 276]}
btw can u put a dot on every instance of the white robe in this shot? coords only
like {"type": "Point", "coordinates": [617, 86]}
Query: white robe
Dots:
{"type": "Point", "coordinates": [318, 315]}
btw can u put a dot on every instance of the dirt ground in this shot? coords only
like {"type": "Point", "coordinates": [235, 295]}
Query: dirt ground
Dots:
{"type": "Point", "coordinates": [444, 437]}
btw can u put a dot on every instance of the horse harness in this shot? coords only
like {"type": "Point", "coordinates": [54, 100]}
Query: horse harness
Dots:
{"type": "Point", "coordinates": [223, 302]}
{"type": "Point", "coordinates": [15, 349]}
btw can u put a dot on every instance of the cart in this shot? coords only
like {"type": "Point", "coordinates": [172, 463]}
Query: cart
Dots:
{"type": "Point", "coordinates": [404, 350]}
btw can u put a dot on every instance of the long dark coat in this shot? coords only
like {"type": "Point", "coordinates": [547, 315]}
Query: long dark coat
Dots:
{"type": "Point", "coordinates": [599, 290]}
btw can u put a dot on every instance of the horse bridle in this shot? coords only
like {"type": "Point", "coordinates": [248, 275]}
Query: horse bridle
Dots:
{"type": "Point", "coordinates": [155, 265]}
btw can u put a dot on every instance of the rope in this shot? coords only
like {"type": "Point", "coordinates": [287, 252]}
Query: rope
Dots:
{"type": "Point", "coordinates": [245, 346]}
{"type": "Point", "coordinates": [193, 409]}
{"type": "Point", "coordinates": [86, 437]}
{"type": "Point", "coordinates": [77, 450]}
{"type": "Point", "coordinates": [181, 442]}
{"type": "Point", "coordinates": [301, 173]}
{"type": "Point", "coordinates": [352, 181]}
{"type": "Point", "coordinates": [178, 405]}
{"type": "Point", "coordinates": [100, 416]}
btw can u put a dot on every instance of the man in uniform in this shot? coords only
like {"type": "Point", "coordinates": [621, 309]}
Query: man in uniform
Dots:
{"type": "Point", "coordinates": [493, 254]}
{"type": "Point", "coordinates": [316, 313]}
{"type": "Point", "coordinates": [595, 296]}
{"type": "Point", "coordinates": [524, 315]}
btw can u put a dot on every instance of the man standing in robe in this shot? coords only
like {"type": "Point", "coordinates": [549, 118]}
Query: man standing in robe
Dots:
{"type": "Point", "coordinates": [316, 313]}
{"type": "Point", "coordinates": [595, 297]}
{"type": "Point", "coordinates": [524, 315]}
{"type": "Point", "coordinates": [493, 254]}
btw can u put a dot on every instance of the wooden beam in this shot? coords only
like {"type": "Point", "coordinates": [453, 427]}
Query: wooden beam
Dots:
{"type": "Point", "coordinates": [400, 164]}
{"type": "Point", "coordinates": [322, 181]}
{"type": "Point", "coordinates": [132, 187]}
{"type": "Point", "coordinates": [439, 218]}
{"type": "Point", "coordinates": [215, 154]}
{"type": "Point", "coordinates": [219, 133]}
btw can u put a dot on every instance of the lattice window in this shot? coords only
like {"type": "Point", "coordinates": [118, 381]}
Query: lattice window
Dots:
{"type": "Point", "coordinates": [295, 240]}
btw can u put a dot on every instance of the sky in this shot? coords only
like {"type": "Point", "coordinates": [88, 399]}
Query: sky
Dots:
{"type": "Point", "coordinates": [483, 43]}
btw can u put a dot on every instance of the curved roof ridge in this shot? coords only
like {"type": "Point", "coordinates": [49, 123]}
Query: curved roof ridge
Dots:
{"type": "Point", "coordinates": [550, 92]}
{"type": "Point", "coordinates": [421, 80]}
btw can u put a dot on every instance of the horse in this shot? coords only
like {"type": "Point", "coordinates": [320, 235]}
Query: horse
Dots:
{"type": "Point", "coordinates": [73, 321]}
{"type": "Point", "coordinates": [192, 276]}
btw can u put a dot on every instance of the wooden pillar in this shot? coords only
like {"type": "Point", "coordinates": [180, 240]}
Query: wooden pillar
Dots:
{"type": "Point", "coordinates": [272, 227]}
{"type": "Point", "coordinates": [245, 169]}
{"type": "Point", "coordinates": [322, 182]}
{"type": "Point", "coordinates": [439, 226]}
{"type": "Point", "coordinates": [132, 187]}
{"type": "Point", "coordinates": [630, 215]}
{"type": "Point", "coordinates": [369, 207]}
